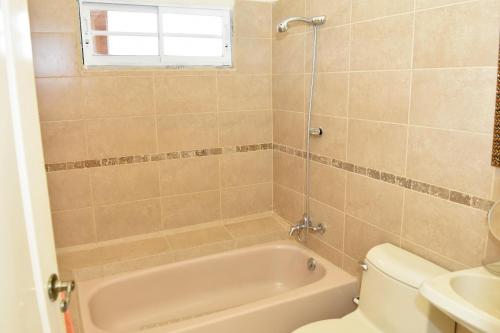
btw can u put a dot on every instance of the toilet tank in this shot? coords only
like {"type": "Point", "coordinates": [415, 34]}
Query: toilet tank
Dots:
{"type": "Point", "coordinates": [389, 292]}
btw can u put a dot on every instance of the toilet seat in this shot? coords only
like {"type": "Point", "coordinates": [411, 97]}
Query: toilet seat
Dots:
{"type": "Point", "coordinates": [354, 322]}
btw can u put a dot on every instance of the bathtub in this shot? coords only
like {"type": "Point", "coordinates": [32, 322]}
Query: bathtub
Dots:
{"type": "Point", "coordinates": [260, 289]}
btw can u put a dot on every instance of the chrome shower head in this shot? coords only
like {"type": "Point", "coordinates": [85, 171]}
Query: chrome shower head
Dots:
{"type": "Point", "coordinates": [315, 20]}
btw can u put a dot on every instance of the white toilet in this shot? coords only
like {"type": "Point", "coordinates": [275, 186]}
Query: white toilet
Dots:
{"type": "Point", "coordinates": [389, 301]}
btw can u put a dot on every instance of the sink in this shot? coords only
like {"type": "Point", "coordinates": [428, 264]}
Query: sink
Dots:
{"type": "Point", "coordinates": [471, 297]}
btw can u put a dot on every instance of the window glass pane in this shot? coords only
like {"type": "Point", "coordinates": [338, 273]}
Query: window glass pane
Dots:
{"type": "Point", "coordinates": [192, 24]}
{"type": "Point", "coordinates": [193, 47]}
{"type": "Point", "coordinates": [121, 21]}
{"type": "Point", "coordinates": [125, 45]}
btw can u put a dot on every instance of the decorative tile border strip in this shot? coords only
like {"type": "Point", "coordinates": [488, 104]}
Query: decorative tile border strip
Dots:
{"type": "Point", "coordinates": [410, 184]}
{"type": "Point", "coordinates": [134, 159]}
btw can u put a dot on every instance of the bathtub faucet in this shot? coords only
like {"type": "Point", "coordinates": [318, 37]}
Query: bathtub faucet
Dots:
{"type": "Point", "coordinates": [306, 224]}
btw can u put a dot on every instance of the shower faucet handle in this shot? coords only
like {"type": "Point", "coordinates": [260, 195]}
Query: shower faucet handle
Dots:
{"type": "Point", "coordinates": [316, 131]}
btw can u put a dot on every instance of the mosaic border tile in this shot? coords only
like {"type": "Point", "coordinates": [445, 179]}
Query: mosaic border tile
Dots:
{"type": "Point", "coordinates": [135, 159]}
{"type": "Point", "coordinates": [407, 183]}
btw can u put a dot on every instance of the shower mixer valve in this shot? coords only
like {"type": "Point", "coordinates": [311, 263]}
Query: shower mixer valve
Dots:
{"type": "Point", "coordinates": [306, 224]}
{"type": "Point", "coordinates": [316, 131]}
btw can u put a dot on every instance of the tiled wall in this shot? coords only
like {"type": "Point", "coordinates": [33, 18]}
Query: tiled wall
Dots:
{"type": "Point", "coordinates": [406, 97]}
{"type": "Point", "coordinates": [139, 151]}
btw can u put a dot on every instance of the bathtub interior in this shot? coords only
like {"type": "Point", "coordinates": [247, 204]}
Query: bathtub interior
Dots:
{"type": "Point", "coordinates": [135, 301]}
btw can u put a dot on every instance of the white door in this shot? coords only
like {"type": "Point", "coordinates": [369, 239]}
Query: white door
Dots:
{"type": "Point", "coordinates": [27, 253]}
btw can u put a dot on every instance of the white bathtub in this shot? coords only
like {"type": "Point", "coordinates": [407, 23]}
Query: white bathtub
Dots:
{"type": "Point", "coordinates": [261, 289]}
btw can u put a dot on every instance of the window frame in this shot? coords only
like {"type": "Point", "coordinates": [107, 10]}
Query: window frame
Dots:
{"type": "Point", "coordinates": [160, 60]}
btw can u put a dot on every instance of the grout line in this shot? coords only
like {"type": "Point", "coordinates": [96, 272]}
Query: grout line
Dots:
{"type": "Point", "coordinates": [393, 123]}
{"type": "Point", "coordinates": [348, 106]}
{"type": "Point", "coordinates": [219, 141]}
{"type": "Point", "coordinates": [408, 117]}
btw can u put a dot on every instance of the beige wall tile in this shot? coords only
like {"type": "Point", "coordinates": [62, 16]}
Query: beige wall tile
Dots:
{"type": "Point", "coordinates": [360, 237]}
{"type": "Point", "coordinates": [328, 252]}
{"type": "Point", "coordinates": [186, 132]}
{"type": "Point", "coordinates": [333, 142]}
{"type": "Point", "coordinates": [53, 16]}
{"type": "Point", "coordinates": [244, 92]}
{"type": "Point", "coordinates": [382, 44]}
{"type": "Point", "coordinates": [189, 209]}
{"type": "Point", "coordinates": [330, 95]}
{"type": "Point", "coordinates": [287, 203]}
{"type": "Point", "coordinates": [246, 200]}
{"type": "Point", "coordinates": [115, 137]}
{"type": "Point", "coordinates": [333, 194]}
{"type": "Point", "coordinates": [104, 96]}
{"type": "Point", "coordinates": [134, 249]}
{"type": "Point", "coordinates": [333, 50]}
{"type": "Point", "coordinates": [64, 141]}
{"type": "Point", "coordinates": [198, 237]}
{"type": "Point", "coordinates": [492, 253]}
{"type": "Point", "coordinates": [495, 195]}
{"type": "Point", "coordinates": [288, 53]}
{"type": "Point", "coordinates": [125, 183]}
{"type": "Point", "coordinates": [288, 92]}
{"type": "Point", "coordinates": [369, 9]}
{"type": "Point", "coordinates": [422, 4]}
{"type": "Point", "coordinates": [245, 169]}
{"type": "Point", "coordinates": [380, 96]}
{"type": "Point", "coordinates": [472, 26]}
{"type": "Point", "coordinates": [189, 175]}
{"type": "Point", "coordinates": [375, 202]}
{"type": "Point", "coordinates": [337, 12]}
{"type": "Point", "coordinates": [289, 171]}
{"type": "Point", "coordinates": [289, 128]}
{"type": "Point", "coordinates": [260, 239]}
{"type": "Point", "coordinates": [252, 55]}
{"type": "Point", "coordinates": [252, 19]}
{"type": "Point", "coordinates": [55, 54]}
{"type": "Point", "coordinates": [244, 128]}
{"type": "Point", "coordinates": [452, 230]}
{"type": "Point", "coordinates": [457, 160]}
{"type": "Point", "coordinates": [185, 94]}
{"type": "Point", "coordinates": [454, 99]}
{"type": "Point", "coordinates": [73, 227]}
{"type": "Point", "coordinates": [59, 98]}
{"type": "Point", "coordinates": [432, 256]}
{"type": "Point", "coordinates": [139, 263]}
{"type": "Point", "coordinates": [256, 227]}
{"type": "Point", "coordinates": [79, 259]}
{"type": "Point", "coordinates": [352, 267]}
{"type": "Point", "coordinates": [204, 250]}
{"type": "Point", "coordinates": [377, 145]}
{"type": "Point", "coordinates": [332, 219]}
{"type": "Point", "coordinates": [69, 189]}
{"type": "Point", "coordinates": [127, 219]}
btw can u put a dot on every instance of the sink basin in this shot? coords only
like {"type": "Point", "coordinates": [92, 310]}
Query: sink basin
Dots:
{"type": "Point", "coordinates": [471, 297]}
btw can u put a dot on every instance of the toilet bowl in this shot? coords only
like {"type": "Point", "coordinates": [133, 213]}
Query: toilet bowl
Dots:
{"type": "Point", "coordinates": [389, 301]}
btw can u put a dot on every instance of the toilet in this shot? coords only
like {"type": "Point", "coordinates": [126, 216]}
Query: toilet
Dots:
{"type": "Point", "coordinates": [389, 301]}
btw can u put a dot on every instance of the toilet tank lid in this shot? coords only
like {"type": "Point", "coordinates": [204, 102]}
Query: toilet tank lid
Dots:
{"type": "Point", "coordinates": [403, 265]}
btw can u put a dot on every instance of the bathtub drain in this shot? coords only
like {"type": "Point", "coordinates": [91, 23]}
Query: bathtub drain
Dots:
{"type": "Point", "coordinates": [311, 264]}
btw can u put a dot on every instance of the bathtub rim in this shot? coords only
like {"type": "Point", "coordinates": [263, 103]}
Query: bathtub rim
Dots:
{"type": "Point", "coordinates": [333, 277]}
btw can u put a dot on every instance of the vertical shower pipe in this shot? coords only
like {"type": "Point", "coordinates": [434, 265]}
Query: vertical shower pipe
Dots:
{"type": "Point", "coordinates": [308, 131]}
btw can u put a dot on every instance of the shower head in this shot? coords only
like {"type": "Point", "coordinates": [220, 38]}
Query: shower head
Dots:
{"type": "Point", "coordinates": [315, 20]}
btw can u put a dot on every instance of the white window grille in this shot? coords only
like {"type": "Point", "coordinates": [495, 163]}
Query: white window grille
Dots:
{"type": "Point", "coordinates": [115, 34]}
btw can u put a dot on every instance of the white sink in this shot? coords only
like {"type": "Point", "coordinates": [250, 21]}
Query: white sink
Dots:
{"type": "Point", "coordinates": [471, 297]}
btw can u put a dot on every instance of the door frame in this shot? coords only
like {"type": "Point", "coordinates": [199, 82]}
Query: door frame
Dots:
{"type": "Point", "coordinates": [26, 235]}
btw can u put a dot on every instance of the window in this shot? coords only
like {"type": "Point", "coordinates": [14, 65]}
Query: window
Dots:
{"type": "Point", "coordinates": [145, 35]}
